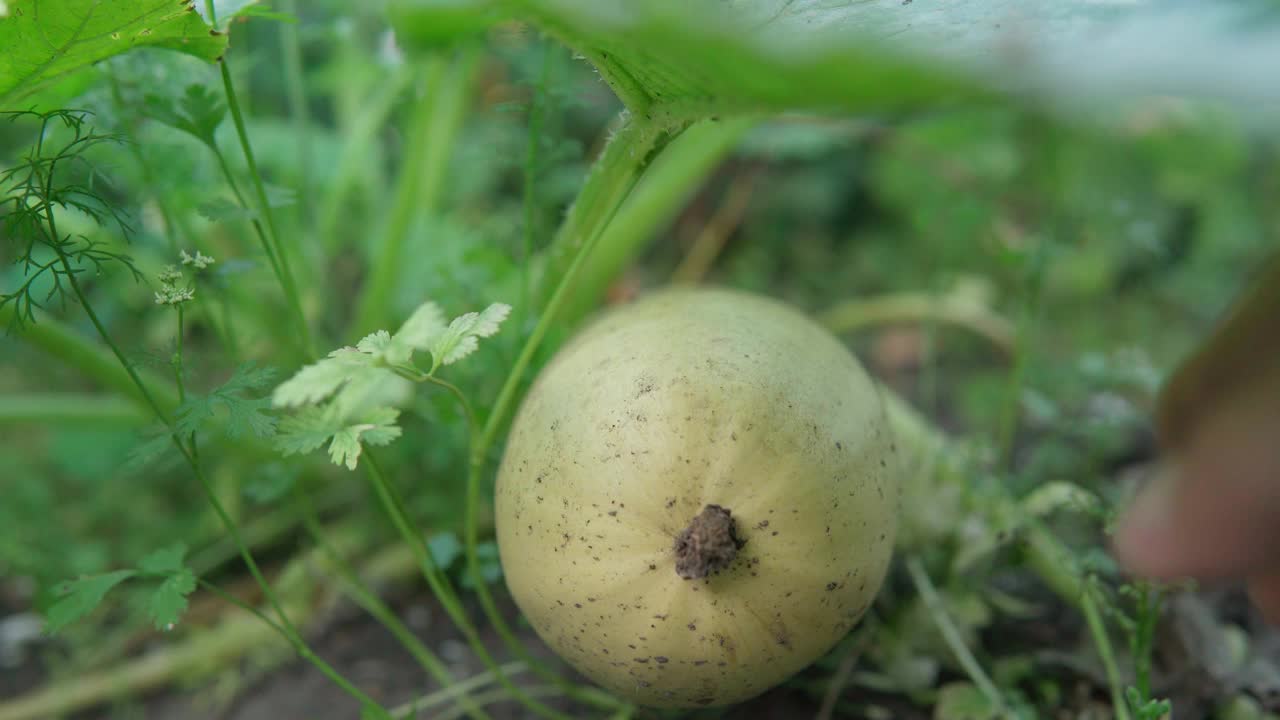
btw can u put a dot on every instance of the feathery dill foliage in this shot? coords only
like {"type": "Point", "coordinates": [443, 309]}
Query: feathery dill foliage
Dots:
{"type": "Point", "coordinates": [55, 174]}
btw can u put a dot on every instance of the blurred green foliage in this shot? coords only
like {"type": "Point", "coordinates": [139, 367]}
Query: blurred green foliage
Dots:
{"type": "Point", "coordinates": [1110, 250]}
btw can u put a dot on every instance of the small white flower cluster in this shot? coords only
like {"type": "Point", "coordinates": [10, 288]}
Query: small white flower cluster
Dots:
{"type": "Point", "coordinates": [171, 292]}
{"type": "Point", "coordinates": [200, 260]}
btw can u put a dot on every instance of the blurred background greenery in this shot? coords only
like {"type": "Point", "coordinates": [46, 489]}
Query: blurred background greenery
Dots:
{"type": "Point", "coordinates": [1101, 257]}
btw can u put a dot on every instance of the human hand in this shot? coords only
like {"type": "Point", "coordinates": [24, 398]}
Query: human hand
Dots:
{"type": "Point", "coordinates": [1212, 511]}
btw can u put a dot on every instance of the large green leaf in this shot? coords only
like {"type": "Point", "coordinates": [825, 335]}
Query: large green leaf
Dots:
{"type": "Point", "coordinates": [703, 57]}
{"type": "Point", "coordinates": [41, 40]}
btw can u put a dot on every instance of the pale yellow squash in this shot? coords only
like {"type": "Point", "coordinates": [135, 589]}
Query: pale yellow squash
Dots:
{"type": "Point", "coordinates": [709, 404]}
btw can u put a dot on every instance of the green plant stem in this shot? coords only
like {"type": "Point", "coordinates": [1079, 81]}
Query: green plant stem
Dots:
{"type": "Point", "coordinates": [439, 584]}
{"type": "Point", "coordinates": [665, 188]}
{"type": "Point", "coordinates": [1098, 630]}
{"type": "Point", "coordinates": [295, 89]}
{"type": "Point", "coordinates": [268, 528]}
{"type": "Point", "coordinates": [921, 308]}
{"type": "Point", "coordinates": [108, 369]}
{"type": "Point", "coordinates": [1148, 613]}
{"type": "Point", "coordinates": [229, 525]}
{"type": "Point", "coordinates": [375, 607]}
{"type": "Point", "coordinates": [177, 360]}
{"type": "Point", "coordinates": [494, 696]}
{"type": "Point", "coordinates": [69, 409]}
{"type": "Point", "coordinates": [70, 273]}
{"type": "Point", "coordinates": [254, 222]}
{"type": "Point", "coordinates": [628, 153]}
{"type": "Point", "coordinates": [471, 543]}
{"type": "Point", "coordinates": [302, 649]}
{"type": "Point", "coordinates": [285, 274]}
{"type": "Point", "coordinates": [148, 174]}
{"type": "Point", "coordinates": [360, 142]}
{"type": "Point", "coordinates": [929, 594]}
{"type": "Point", "coordinates": [435, 128]}
{"type": "Point", "coordinates": [460, 688]}
{"type": "Point", "coordinates": [210, 495]}
{"type": "Point", "coordinates": [531, 225]}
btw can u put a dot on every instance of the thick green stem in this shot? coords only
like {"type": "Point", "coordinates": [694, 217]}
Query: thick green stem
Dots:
{"type": "Point", "coordinates": [628, 154]}
{"type": "Point", "coordinates": [626, 157]}
{"type": "Point", "coordinates": [665, 188]}
{"type": "Point", "coordinates": [436, 124]}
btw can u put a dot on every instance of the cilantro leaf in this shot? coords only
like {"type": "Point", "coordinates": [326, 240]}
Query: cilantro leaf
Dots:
{"type": "Point", "coordinates": [307, 430]}
{"type": "Point", "coordinates": [81, 597]}
{"type": "Point", "coordinates": [248, 376]}
{"type": "Point", "coordinates": [169, 601]}
{"type": "Point", "coordinates": [244, 414]}
{"type": "Point", "coordinates": [313, 427]}
{"type": "Point", "coordinates": [319, 380]}
{"type": "Point", "coordinates": [251, 415]}
{"type": "Point", "coordinates": [223, 210]}
{"type": "Point", "coordinates": [378, 428]}
{"type": "Point", "coordinates": [156, 444]}
{"type": "Point", "coordinates": [357, 378]}
{"type": "Point", "coordinates": [460, 339]}
{"type": "Point", "coordinates": [165, 560]}
{"type": "Point", "coordinates": [198, 113]}
{"type": "Point", "coordinates": [423, 327]}
{"type": "Point", "coordinates": [375, 344]}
